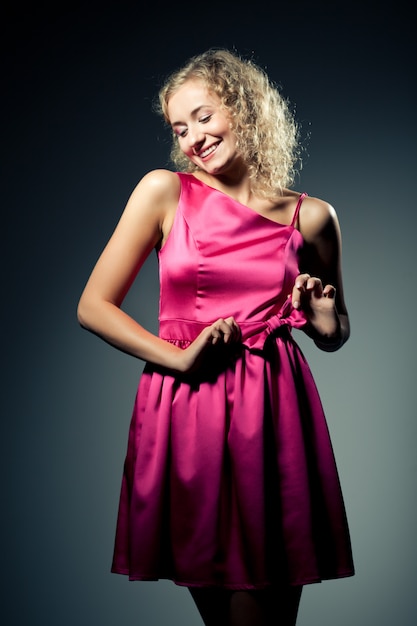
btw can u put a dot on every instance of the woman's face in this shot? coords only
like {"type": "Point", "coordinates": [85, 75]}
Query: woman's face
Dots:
{"type": "Point", "coordinates": [203, 128]}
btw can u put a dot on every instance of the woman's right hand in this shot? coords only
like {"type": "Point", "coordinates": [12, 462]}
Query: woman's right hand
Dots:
{"type": "Point", "coordinates": [224, 331]}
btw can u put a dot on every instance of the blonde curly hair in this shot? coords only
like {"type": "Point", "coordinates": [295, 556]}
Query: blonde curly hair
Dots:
{"type": "Point", "coordinates": [265, 128]}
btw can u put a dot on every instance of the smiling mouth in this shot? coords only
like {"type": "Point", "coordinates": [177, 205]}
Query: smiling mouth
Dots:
{"type": "Point", "coordinates": [205, 153]}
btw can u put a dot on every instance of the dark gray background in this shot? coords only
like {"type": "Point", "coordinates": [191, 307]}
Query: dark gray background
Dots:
{"type": "Point", "coordinates": [78, 133]}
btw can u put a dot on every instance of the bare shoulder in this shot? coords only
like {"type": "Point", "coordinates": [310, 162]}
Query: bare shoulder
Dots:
{"type": "Point", "coordinates": [317, 218]}
{"type": "Point", "coordinates": [152, 201]}
{"type": "Point", "coordinates": [156, 198]}
{"type": "Point", "coordinates": [159, 185]}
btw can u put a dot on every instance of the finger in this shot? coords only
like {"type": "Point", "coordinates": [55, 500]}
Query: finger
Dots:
{"type": "Point", "coordinates": [235, 333]}
{"type": "Point", "coordinates": [215, 335]}
{"type": "Point", "coordinates": [216, 331]}
{"type": "Point", "coordinates": [314, 284]}
{"type": "Point", "coordinates": [299, 289]}
{"type": "Point", "coordinates": [224, 329]}
{"type": "Point", "coordinates": [329, 291]}
{"type": "Point", "coordinates": [301, 281]}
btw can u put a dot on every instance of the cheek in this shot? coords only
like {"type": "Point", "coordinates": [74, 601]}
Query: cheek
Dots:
{"type": "Point", "coordinates": [186, 150]}
{"type": "Point", "coordinates": [181, 144]}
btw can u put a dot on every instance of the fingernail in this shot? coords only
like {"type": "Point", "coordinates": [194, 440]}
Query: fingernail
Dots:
{"type": "Point", "coordinates": [296, 304]}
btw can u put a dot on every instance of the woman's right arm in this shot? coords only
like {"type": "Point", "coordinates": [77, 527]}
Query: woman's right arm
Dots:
{"type": "Point", "coordinates": [139, 231]}
{"type": "Point", "coordinates": [145, 223]}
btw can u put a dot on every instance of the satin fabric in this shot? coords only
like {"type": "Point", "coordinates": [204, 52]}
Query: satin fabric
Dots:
{"type": "Point", "coordinates": [230, 478]}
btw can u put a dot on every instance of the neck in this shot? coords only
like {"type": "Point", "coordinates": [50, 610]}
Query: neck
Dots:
{"type": "Point", "coordinates": [236, 184]}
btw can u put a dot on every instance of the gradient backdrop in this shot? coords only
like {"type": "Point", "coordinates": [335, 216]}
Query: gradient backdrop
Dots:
{"type": "Point", "coordinates": [78, 133]}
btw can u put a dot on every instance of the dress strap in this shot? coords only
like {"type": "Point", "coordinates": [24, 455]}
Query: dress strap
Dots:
{"type": "Point", "coordinates": [298, 207]}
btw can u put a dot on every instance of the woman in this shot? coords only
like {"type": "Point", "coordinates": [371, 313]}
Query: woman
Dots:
{"type": "Point", "coordinates": [230, 485]}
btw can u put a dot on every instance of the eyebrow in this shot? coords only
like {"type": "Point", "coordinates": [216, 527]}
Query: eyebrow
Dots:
{"type": "Point", "coordinates": [194, 112]}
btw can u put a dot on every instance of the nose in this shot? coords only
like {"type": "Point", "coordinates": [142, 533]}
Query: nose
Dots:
{"type": "Point", "coordinates": [196, 137]}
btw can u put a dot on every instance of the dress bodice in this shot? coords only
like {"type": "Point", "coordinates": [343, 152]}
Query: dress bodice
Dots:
{"type": "Point", "coordinates": [223, 259]}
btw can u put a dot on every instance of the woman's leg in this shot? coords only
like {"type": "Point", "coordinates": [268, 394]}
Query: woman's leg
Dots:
{"type": "Point", "coordinates": [213, 605]}
{"type": "Point", "coordinates": [275, 606]}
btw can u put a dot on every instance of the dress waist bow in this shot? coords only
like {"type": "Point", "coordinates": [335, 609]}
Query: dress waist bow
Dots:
{"type": "Point", "coordinates": [255, 334]}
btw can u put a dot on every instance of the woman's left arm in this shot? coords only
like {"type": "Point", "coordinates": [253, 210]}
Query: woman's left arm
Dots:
{"type": "Point", "coordinates": [318, 290]}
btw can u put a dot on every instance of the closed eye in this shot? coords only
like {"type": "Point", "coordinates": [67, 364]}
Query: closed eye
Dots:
{"type": "Point", "coordinates": [180, 132]}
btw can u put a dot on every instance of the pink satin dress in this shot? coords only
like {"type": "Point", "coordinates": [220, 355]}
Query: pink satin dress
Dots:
{"type": "Point", "coordinates": [230, 478]}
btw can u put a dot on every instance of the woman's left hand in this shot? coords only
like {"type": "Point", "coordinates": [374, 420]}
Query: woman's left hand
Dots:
{"type": "Point", "coordinates": [318, 303]}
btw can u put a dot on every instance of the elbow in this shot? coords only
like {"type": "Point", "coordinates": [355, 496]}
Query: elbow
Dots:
{"type": "Point", "coordinates": [93, 312]}
{"type": "Point", "coordinates": [333, 344]}
{"type": "Point", "coordinates": [330, 346]}
{"type": "Point", "coordinates": [80, 316]}
{"type": "Point", "coordinates": [83, 317]}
